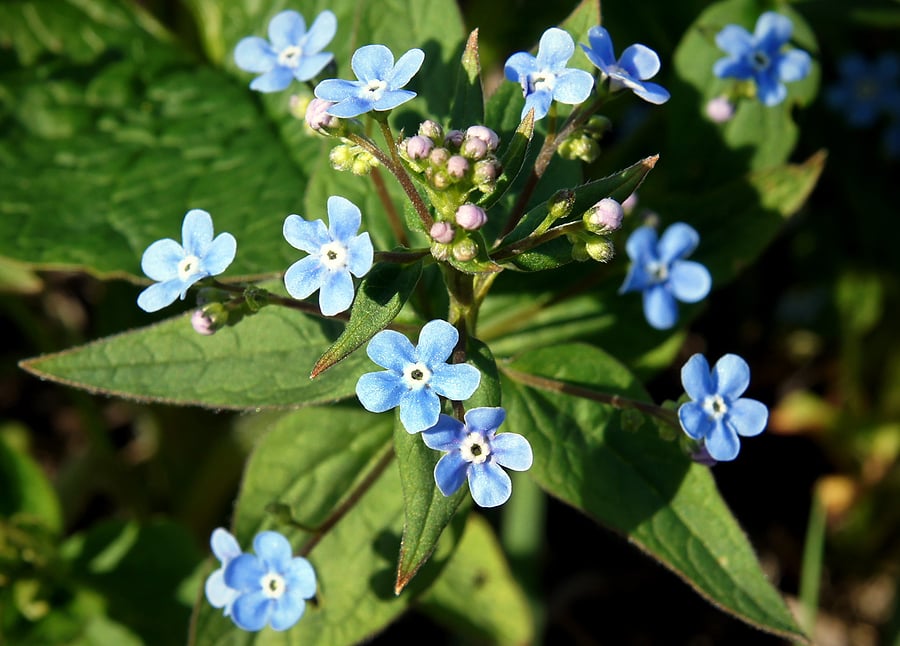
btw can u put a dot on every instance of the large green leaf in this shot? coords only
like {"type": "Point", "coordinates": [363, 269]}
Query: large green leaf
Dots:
{"type": "Point", "coordinates": [633, 481]}
{"type": "Point", "coordinates": [26, 489]}
{"type": "Point", "coordinates": [263, 362]}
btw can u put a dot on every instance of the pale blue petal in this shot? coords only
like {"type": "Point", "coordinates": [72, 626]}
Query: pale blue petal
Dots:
{"type": "Point", "coordinates": [361, 254]}
{"type": "Point", "coordinates": [392, 98]}
{"type": "Point", "coordinates": [437, 340]}
{"type": "Point", "coordinates": [275, 80]}
{"type": "Point", "coordinates": [274, 550]}
{"type": "Point", "coordinates": [352, 107]}
{"type": "Point", "coordinates": [446, 435]}
{"type": "Point", "coordinates": [251, 611]}
{"type": "Point", "coordinates": [652, 93]}
{"type": "Point", "coordinates": [196, 232]}
{"type": "Point", "coordinates": [406, 68]}
{"type": "Point", "coordinates": [344, 218]}
{"type": "Point", "coordinates": [696, 379]}
{"type": "Point", "coordinates": [286, 28]}
{"type": "Point", "coordinates": [555, 49]}
{"type": "Point", "coordinates": [520, 64]}
{"type": "Point", "coordinates": [730, 376]}
{"type": "Point", "coordinates": [336, 89]}
{"type": "Point", "coordinates": [512, 451]}
{"type": "Point", "coordinates": [450, 473]}
{"type": "Point", "coordinates": [489, 484]}
{"type": "Point", "coordinates": [540, 101]}
{"type": "Point", "coordinates": [301, 577]}
{"type": "Point", "coordinates": [160, 259]}
{"type": "Point", "coordinates": [457, 381]}
{"type": "Point", "coordinates": [219, 255]}
{"type": "Point", "coordinates": [419, 409]}
{"type": "Point", "coordinates": [660, 308]}
{"type": "Point", "coordinates": [641, 245]}
{"type": "Point", "coordinates": [337, 293]}
{"type": "Point", "coordinates": [380, 391]}
{"type": "Point", "coordinates": [217, 592]}
{"type": "Point", "coordinates": [733, 68]}
{"type": "Point", "coordinates": [391, 350]}
{"type": "Point", "coordinates": [735, 40]}
{"type": "Point", "coordinates": [794, 65]}
{"type": "Point", "coordinates": [748, 417]}
{"type": "Point", "coordinates": [304, 277]}
{"type": "Point", "coordinates": [640, 61]}
{"type": "Point", "coordinates": [573, 86]}
{"type": "Point", "coordinates": [722, 442]}
{"type": "Point", "coordinates": [372, 63]}
{"type": "Point", "coordinates": [689, 281]}
{"type": "Point", "coordinates": [311, 65]}
{"type": "Point", "coordinates": [321, 33]}
{"type": "Point", "coordinates": [159, 295]}
{"type": "Point", "coordinates": [305, 235]}
{"type": "Point", "coordinates": [694, 420]}
{"type": "Point", "coordinates": [287, 609]}
{"type": "Point", "coordinates": [678, 241]}
{"type": "Point", "coordinates": [601, 51]}
{"type": "Point", "coordinates": [244, 573]}
{"type": "Point", "coordinates": [224, 546]}
{"type": "Point", "coordinates": [254, 54]}
{"type": "Point", "coordinates": [772, 30]}
{"type": "Point", "coordinates": [486, 419]}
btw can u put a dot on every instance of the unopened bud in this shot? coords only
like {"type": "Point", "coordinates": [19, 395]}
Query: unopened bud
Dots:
{"type": "Point", "coordinates": [454, 138]}
{"type": "Point", "coordinates": [630, 202]}
{"type": "Point", "coordinates": [470, 217]}
{"type": "Point", "coordinates": [597, 126]}
{"type": "Point", "coordinates": [208, 319]}
{"type": "Point", "coordinates": [604, 217]}
{"type": "Point", "coordinates": [439, 156]}
{"type": "Point", "coordinates": [719, 109]}
{"type": "Point", "coordinates": [419, 147]}
{"type": "Point", "coordinates": [465, 250]}
{"type": "Point", "coordinates": [583, 148]}
{"type": "Point", "coordinates": [317, 116]}
{"type": "Point", "coordinates": [441, 232]}
{"type": "Point", "coordinates": [600, 249]}
{"type": "Point", "coordinates": [341, 157]}
{"type": "Point", "coordinates": [440, 251]}
{"type": "Point", "coordinates": [432, 130]}
{"type": "Point", "coordinates": [561, 204]}
{"type": "Point", "coordinates": [579, 252]}
{"type": "Point", "coordinates": [439, 179]}
{"type": "Point", "coordinates": [473, 148]}
{"type": "Point", "coordinates": [488, 136]}
{"type": "Point", "coordinates": [457, 166]}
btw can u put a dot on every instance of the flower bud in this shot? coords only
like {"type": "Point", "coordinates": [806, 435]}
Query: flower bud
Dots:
{"type": "Point", "coordinates": [473, 148]}
{"type": "Point", "coordinates": [630, 202]}
{"type": "Point", "coordinates": [488, 136]}
{"type": "Point", "coordinates": [341, 157]}
{"type": "Point", "coordinates": [579, 252]}
{"type": "Point", "coordinates": [441, 232]}
{"type": "Point", "coordinates": [465, 250]}
{"type": "Point", "coordinates": [604, 217]}
{"type": "Point", "coordinates": [561, 205]}
{"type": "Point", "coordinates": [298, 105]}
{"type": "Point", "coordinates": [600, 249]}
{"type": "Point", "coordinates": [584, 148]}
{"type": "Point", "coordinates": [419, 147]}
{"type": "Point", "coordinates": [432, 130]}
{"type": "Point", "coordinates": [457, 166]}
{"type": "Point", "coordinates": [316, 116]}
{"type": "Point", "coordinates": [719, 109]}
{"type": "Point", "coordinates": [439, 179]}
{"type": "Point", "coordinates": [439, 156]}
{"type": "Point", "coordinates": [470, 217]}
{"type": "Point", "coordinates": [208, 319]}
{"type": "Point", "coordinates": [454, 138]}
{"type": "Point", "coordinates": [440, 251]}
{"type": "Point", "coordinates": [597, 126]}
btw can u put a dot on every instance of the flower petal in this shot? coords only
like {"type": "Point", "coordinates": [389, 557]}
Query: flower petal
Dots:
{"type": "Point", "coordinates": [419, 409]}
{"type": "Point", "coordinates": [794, 65]}
{"type": "Point", "coordinates": [689, 281]}
{"type": "Point", "coordinates": [160, 259]}
{"type": "Point", "coordinates": [489, 484]}
{"type": "Point", "coordinates": [573, 86]}
{"type": "Point", "coordinates": [301, 577]}
{"type": "Point", "coordinates": [694, 420]}
{"type": "Point", "coordinates": [722, 442]}
{"type": "Point", "coordinates": [456, 381]}
{"type": "Point", "coordinates": [254, 54]}
{"type": "Point", "coordinates": [555, 49]}
{"type": "Point", "coordinates": [406, 68]}
{"type": "Point", "coordinates": [304, 277]}
{"type": "Point", "coordinates": [287, 609]}
{"type": "Point", "coordinates": [344, 218]}
{"type": "Point", "coordinates": [275, 80]}
{"type": "Point", "coordinates": [520, 64]}
{"type": "Point", "coordinates": [539, 101]}
{"type": "Point", "coordinates": [437, 339]}
{"type": "Point", "coordinates": [391, 350]}
{"type": "Point", "coordinates": [244, 573]}
{"type": "Point", "coordinates": [372, 63]}
{"type": "Point", "coordinates": [652, 93]}
{"type": "Point", "coordinates": [446, 435]}
{"type": "Point", "coordinates": [730, 376]}
{"type": "Point", "coordinates": [224, 545]}
{"type": "Point", "coordinates": [380, 391]}
{"type": "Point", "coordinates": [640, 61]}
{"type": "Point", "coordinates": [772, 31]}
{"type": "Point", "coordinates": [219, 254]}
{"type": "Point", "coordinates": [512, 451]}
{"type": "Point", "coordinates": [637, 279]}
{"type": "Point", "coordinates": [736, 68]}
{"type": "Point", "coordinates": [696, 378]}
{"type": "Point", "coordinates": [748, 417]}
{"type": "Point", "coordinates": [274, 550]}
{"type": "Point", "coordinates": [734, 40]}
{"type": "Point", "coordinates": [336, 89]}
{"type": "Point", "coordinates": [286, 28]}
{"type": "Point", "coordinates": [217, 591]}
{"type": "Point", "coordinates": [305, 235]}
{"type": "Point", "coordinates": [770, 90]}
{"type": "Point", "coordinates": [485, 419]}
{"type": "Point", "coordinates": [336, 294]}
{"type": "Point", "coordinates": [392, 98]}
{"type": "Point", "coordinates": [160, 295]}
{"type": "Point", "coordinates": [450, 473]}
{"type": "Point", "coordinates": [196, 232]}
{"type": "Point", "coordinates": [641, 245]}
{"type": "Point", "coordinates": [360, 255]}
{"type": "Point", "coordinates": [601, 51]}
{"type": "Point", "coordinates": [678, 241]}
{"type": "Point", "coordinates": [251, 611]}
{"type": "Point", "coordinates": [352, 107]}
{"type": "Point", "coordinates": [310, 66]}
{"type": "Point", "coordinates": [320, 33]}
{"type": "Point", "coordinates": [660, 308]}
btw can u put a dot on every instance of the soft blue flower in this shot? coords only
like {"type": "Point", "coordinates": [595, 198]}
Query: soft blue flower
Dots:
{"type": "Point", "coordinates": [475, 451]}
{"type": "Point", "coordinates": [225, 548]}
{"type": "Point", "coordinates": [378, 87]}
{"type": "Point", "coordinates": [762, 57]}
{"type": "Point", "coordinates": [334, 253]}
{"type": "Point", "coordinates": [176, 268]}
{"type": "Point", "coordinates": [273, 584]}
{"type": "Point", "coordinates": [658, 269]}
{"type": "Point", "coordinates": [291, 53]}
{"type": "Point", "coordinates": [545, 78]}
{"type": "Point", "coordinates": [636, 64]}
{"type": "Point", "coordinates": [718, 414]}
{"type": "Point", "coordinates": [415, 376]}
{"type": "Point", "coordinates": [866, 90]}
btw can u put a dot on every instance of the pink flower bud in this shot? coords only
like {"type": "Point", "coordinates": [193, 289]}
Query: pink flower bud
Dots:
{"type": "Point", "coordinates": [203, 323]}
{"type": "Point", "coordinates": [431, 129]}
{"type": "Point", "coordinates": [485, 134]}
{"type": "Point", "coordinates": [454, 138]}
{"type": "Point", "coordinates": [457, 167]}
{"type": "Point", "coordinates": [605, 216]}
{"type": "Point", "coordinates": [419, 147]}
{"type": "Point", "coordinates": [439, 156]}
{"type": "Point", "coordinates": [470, 217]}
{"type": "Point", "coordinates": [441, 232]}
{"type": "Point", "coordinates": [719, 110]}
{"type": "Point", "coordinates": [474, 148]}
{"type": "Point", "coordinates": [316, 116]}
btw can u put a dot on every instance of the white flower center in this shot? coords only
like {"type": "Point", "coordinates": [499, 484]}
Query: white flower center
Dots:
{"type": "Point", "coordinates": [416, 375]}
{"type": "Point", "coordinates": [658, 271]}
{"type": "Point", "coordinates": [715, 406]}
{"type": "Point", "coordinates": [188, 266]}
{"type": "Point", "coordinates": [759, 61]}
{"type": "Point", "coordinates": [541, 81]}
{"type": "Point", "coordinates": [272, 585]}
{"type": "Point", "coordinates": [334, 256]}
{"type": "Point", "coordinates": [475, 448]}
{"type": "Point", "coordinates": [374, 89]}
{"type": "Point", "coordinates": [290, 56]}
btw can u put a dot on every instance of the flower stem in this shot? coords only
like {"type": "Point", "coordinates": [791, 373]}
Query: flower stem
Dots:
{"type": "Point", "coordinates": [531, 242]}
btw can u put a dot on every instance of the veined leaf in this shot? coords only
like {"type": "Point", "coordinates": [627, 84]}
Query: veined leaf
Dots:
{"type": "Point", "coordinates": [468, 103]}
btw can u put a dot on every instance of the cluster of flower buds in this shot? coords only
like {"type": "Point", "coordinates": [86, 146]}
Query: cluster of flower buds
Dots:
{"type": "Point", "coordinates": [584, 142]}
{"type": "Point", "coordinates": [352, 157]}
{"type": "Point", "coordinates": [599, 221]}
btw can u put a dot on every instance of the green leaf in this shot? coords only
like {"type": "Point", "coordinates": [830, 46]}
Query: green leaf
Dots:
{"type": "Point", "coordinates": [511, 161]}
{"type": "Point", "coordinates": [26, 489]}
{"type": "Point", "coordinates": [488, 392]}
{"type": "Point", "coordinates": [314, 462]}
{"type": "Point", "coordinates": [633, 481]}
{"type": "Point", "coordinates": [476, 597]}
{"type": "Point", "coordinates": [263, 362]}
{"type": "Point", "coordinates": [380, 297]}
{"type": "Point", "coordinates": [468, 103]}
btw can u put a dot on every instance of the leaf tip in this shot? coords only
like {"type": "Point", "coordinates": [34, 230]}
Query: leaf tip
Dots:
{"type": "Point", "coordinates": [650, 162]}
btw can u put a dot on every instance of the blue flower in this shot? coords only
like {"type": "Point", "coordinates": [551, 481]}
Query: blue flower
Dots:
{"type": "Point", "coordinates": [658, 269]}
{"type": "Point", "coordinates": [718, 414]}
{"type": "Point", "coordinates": [272, 585]}
{"type": "Point", "coordinates": [636, 64]}
{"type": "Point", "coordinates": [762, 57]}
{"type": "Point", "coordinates": [415, 376]}
{"type": "Point", "coordinates": [545, 78]}
{"type": "Point", "coordinates": [475, 451]}
{"type": "Point", "coordinates": [176, 268]}
{"type": "Point", "coordinates": [334, 254]}
{"type": "Point", "coordinates": [866, 90]}
{"type": "Point", "coordinates": [378, 87]}
{"type": "Point", "coordinates": [292, 53]}
{"type": "Point", "coordinates": [225, 548]}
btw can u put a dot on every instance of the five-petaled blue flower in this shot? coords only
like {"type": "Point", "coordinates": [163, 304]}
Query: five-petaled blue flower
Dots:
{"type": "Point", "coordinates": [866, 90]}
{"type": "Point", "coordinates": [225, 548]}
{"type": "Point", "coordinates": [475, 451]}
{"type": "Point", "coordinates": [718, 414]}
{"type": "Point", "coordinates": [292, 53]}
{"type": "Point", "coordinates": [334, 253]}
{"type": "Point", "coordinates": [658, 269]}
{"type": "Point", "coordinates": [176, 268]}
{"type": "Point", "coordinates": [415, 376]}
{"type": "Point", "coordinates": [545, 78]}
{"type": "Point", "coordinates": [378, 87]}
{"type": "Point", "coordinates": [272, 585]}
{"type": "Point", "coordinates": [636, 64]}
{"type": "Point", "coordinates": [762, 56]}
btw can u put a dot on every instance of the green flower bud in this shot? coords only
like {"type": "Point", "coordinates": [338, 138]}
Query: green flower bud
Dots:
{"type": "Point", "coordinates": [600, 249]}
{"type": "Point", "coordinates": [465, 250]}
